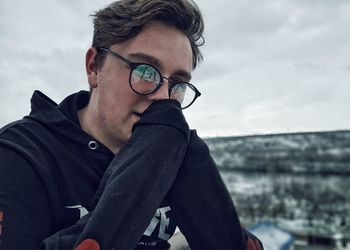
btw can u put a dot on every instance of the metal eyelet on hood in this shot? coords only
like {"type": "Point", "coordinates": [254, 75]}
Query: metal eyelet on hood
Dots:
{"type": "Point", "coordinates": [93, 145]}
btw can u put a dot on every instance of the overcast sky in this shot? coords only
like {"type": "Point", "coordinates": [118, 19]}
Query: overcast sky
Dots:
{"type": "Point", "coordinates": [270, 66]}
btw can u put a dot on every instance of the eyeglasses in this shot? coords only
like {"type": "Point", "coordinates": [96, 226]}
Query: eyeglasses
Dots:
{"type": "Point", "coordinates": [145, 79]}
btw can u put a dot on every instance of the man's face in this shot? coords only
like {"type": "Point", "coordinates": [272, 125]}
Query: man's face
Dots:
{"type": "Point", "coordinates": [115, 106]}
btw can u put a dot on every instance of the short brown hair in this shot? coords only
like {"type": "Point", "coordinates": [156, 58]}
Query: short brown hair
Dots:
{"type": "Point", "coordinates": [122, 20]}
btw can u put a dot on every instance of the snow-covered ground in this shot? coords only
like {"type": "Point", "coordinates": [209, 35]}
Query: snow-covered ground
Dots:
{"type": "Point", "coordinates": [301, 204]}
{"type": "Point", "coordinates": [299, 181]}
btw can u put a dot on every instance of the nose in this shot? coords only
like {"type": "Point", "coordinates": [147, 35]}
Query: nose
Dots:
{"type": "Point", "coordinates": [162, 92]}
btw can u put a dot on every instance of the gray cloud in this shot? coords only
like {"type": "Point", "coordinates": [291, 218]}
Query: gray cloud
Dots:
{"type": "Point", "coordinates": [269, 66]}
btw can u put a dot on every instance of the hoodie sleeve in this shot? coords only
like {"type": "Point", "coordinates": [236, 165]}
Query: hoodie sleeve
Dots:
{"type": "Point", "coordinates": [24, 210]}
{"type": "Point", "coordinates": [134, 184]}
{"type": "Point", "coordinates": [202, 205]}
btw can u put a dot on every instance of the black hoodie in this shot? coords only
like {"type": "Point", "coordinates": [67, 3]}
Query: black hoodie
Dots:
{"type": "Point", "coordinates": [62, 189]}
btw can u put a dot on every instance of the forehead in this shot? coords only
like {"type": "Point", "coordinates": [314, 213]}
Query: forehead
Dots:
{"type": "Point", "coordinates": [168, 45]}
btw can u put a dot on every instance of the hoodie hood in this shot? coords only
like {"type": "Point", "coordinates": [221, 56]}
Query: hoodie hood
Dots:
{"type": "Point", "coordinates": [63, 118]}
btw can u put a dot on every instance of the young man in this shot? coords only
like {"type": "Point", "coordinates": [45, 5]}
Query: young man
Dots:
{"type": "Point", "coordinates": [118, 167]}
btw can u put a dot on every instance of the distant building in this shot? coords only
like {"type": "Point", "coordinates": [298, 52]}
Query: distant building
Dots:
{"type": "Point", "coordinates": [342, 240]}
{"type": "Point", "coordinates": [308, 238]}
{"type": "Point", "coordinates": [272, 237]}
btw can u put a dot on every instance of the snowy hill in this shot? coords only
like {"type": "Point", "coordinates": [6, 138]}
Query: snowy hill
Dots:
{"type": "Point", "coordinates": [318, 152]}
{"type": "Point", "coordinates": [299, 181]}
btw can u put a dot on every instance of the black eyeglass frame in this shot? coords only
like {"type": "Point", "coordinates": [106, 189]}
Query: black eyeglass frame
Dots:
{"type": "Point", "coordinates": [134, 65]}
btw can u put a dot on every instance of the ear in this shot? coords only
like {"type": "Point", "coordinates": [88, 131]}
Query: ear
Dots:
{"type": "Point", "coordinates": [90, 67]}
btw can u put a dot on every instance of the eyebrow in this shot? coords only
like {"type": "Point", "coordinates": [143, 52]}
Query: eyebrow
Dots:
{"type": "Point", "coordinates": [145, 58]}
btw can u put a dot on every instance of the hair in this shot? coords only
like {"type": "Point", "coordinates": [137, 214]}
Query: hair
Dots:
{"type": "Point", "coordinates": [123, 20]}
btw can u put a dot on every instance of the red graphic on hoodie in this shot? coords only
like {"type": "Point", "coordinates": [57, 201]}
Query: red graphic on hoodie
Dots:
{"type": "Point", "coordinates": [1, 219]}
{"type": "Point", "coordinates": [253, 244]}
{"type": "Point", "coordinates": [88, 244]}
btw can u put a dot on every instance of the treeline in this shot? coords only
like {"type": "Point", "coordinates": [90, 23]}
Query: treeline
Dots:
{"type": "Point", "coordinates": [317, 152]}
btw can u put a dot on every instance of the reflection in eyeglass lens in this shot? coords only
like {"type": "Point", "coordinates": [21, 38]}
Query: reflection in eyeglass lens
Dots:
{"type": "Point", "coordinates": [179, 92]}
{"type": "Point", "coordinates": [144, 78]}
{"type": "Point", "coordinates": [145, 73]}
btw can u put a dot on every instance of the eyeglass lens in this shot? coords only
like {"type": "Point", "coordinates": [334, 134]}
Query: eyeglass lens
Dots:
{"type": "Point", "coordinates": [145, 79]}
{"type": "Point", "coordinates": [183, 93]}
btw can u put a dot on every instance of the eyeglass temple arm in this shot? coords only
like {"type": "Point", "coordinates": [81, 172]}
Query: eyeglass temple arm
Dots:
{"type": "Point", "coordinates": [115, 54]}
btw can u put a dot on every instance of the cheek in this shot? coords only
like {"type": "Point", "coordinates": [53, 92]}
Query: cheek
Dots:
{"type": "Point", "coordinates": [117, 101]}
{"type": "Point", "coordinates": [118, 107]}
